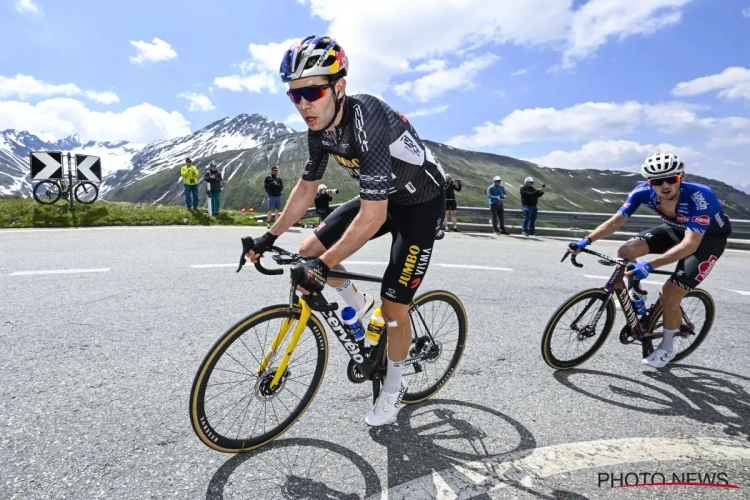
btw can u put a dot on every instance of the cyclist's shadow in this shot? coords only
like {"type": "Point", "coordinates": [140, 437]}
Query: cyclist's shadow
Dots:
{"type": "Point", "coordinates": [454, 444]}
{"type": "Point", "coordinates": [705, 388]}
{"type": "Point", "coordinates": [297, 469]}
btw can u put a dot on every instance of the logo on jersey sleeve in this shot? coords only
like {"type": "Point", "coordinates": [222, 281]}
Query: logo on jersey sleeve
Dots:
{"type": "Point", "coordinates": [704, 268]}
{"type": "Point", "coordinates": [407, 149]}
{"type": "Point", "coordinates": [703, 220]}
{"type": "Point", "coordinates": [719, 220]}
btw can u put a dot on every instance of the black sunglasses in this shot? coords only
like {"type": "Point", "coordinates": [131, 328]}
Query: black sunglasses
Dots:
{"type": "Point", "coordinates": [669, 180]}
{"type": "Point", "coordinates": [311, 93]}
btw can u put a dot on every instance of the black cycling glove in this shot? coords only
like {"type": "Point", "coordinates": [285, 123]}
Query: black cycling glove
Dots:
{"type": "Point", "coordinates": [260, 245]}
{"type": "Point", "coordinates": [313, 276]}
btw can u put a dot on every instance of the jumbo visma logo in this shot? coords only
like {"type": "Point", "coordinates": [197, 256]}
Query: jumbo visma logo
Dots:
{"type": "Point", "coordinates": [353, 163]}
{"type": "Point", "coordinates": [416, 260]}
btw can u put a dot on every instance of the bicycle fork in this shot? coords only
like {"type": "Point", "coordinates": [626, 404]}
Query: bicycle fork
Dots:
{"type": "Point", "coordinates": [279, 339]}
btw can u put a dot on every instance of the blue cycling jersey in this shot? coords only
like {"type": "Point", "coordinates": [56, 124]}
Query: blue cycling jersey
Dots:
{"type": "Point", "coordinates": [698, 209]}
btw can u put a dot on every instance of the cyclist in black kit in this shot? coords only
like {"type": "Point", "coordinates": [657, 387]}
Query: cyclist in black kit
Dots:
{"type": "Point", "coordinates": [400, 192]}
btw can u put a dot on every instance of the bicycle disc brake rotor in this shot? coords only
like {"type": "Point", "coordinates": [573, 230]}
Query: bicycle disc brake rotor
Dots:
{"type": "Point", "coordinates": [353, 373]}
{"type": "Point", "coordinates": [263, 390]}
{"type": "Point", "coordinates": [426, 349]}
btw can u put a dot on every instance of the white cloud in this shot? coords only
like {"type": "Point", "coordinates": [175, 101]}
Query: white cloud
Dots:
{"type": "Point", "coordinates": [27, 6]}
{"type": "Point", "coordinates": [427, 111]}
{"type": "Point", "coordinates": [197, 102]}
{"type": "Point", "coordinates": [612, 155]}
{"type": "Point", "coordinates": [596, 121]}
{"type": "Point", "coordinates": [733, 83]}
{"type": "Point", "coordinates": [746, 12]}
{"type": "Point", "coordinates": [102, 97]}
{"type": "Point", "coordinates": [598, 20]}
{"type": "Point", "coordinates": [520, 72]}
{"type": "Point", "coordinates": [437, 83]}
{"type": "Point", "coordinates": [157, 50]}
{"type": "Point", "coordinates": [294, 118]}
{"type": "Point", "coordinates": [24, 86]}
{"type": "Point", "coordinates": [60, 117]}
{"type": "Point", "coordinates": [254, 83]}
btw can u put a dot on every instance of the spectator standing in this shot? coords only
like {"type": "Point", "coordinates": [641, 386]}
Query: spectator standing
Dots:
{"type": "Point", "coordinates": [190, 173]}
{"type": "Point", "coordinates": [529, 200]}
{"type": "Point", "coordinates": [450, 187]}
{"type": "Point", "coordinates": [213, 178]}
{"type": "Point", "coordinates": [496, 196]}
{"type": "Point", "coordinates": [323, 202]}
{"type": "Point", "coordinates": [274, 186]}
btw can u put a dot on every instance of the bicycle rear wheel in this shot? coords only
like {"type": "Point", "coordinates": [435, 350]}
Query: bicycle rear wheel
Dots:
{"type": "Point", "coordinates": [693, 329]}
{"type": "Point", "coordinates": [86, 192]}
{"type": "Point", "coordinates": [439, 328]}
{"type": "Point", "coordinates": [231, 399]}
{"type": "Point", "coordinates": [581, 332]}
{"type": "Point", "coordinates": [47, 192]}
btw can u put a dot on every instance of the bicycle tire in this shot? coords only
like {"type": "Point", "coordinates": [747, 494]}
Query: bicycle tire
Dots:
{"type": "Point", "coordinates": [200, 421]}
{"type": "Point", "coordinates": [463, 326]}
{"type": "Point", "coordinates": [708, 301]}
{"type": "Point", "coordinates": [86, 185]}
{"type": "Point", "coordinates": [47, 201]}
{"type": "Point", "coordinates": [597, 294]}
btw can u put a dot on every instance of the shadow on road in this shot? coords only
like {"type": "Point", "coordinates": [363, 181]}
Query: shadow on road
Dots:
{"type": "Point", "coordinates": [702, 394]}
{"type": "Point", "coordinates": [295, 469]}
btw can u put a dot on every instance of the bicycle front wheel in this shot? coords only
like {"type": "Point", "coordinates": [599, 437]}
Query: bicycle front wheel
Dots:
{"type": "Point", "coordinates": [439, 329]}
{"type": "Point", "coordinates": [234, 406]}
{"type": "Point", "coordinates": [698, 312]}
{"type": "Point", "coordinates": [47, 192]}
{"type": "Point", "coordinates": [577, 316]}
{"type": "Point", "coordinates": [86, 192]}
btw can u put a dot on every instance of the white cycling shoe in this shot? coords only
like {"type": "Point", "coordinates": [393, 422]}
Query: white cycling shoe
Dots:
{"type": "Point", "coordinates": [386, 407]}
{"type": "Point", "coordinates": [659, 358]}
{"type": "Point", "coordinates": [369, 302]}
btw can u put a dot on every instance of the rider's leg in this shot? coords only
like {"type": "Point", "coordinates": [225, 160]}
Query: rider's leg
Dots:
{"type": "Point", "coordinates": [633, 249]}
{"type": "Point", "coordinates": [671, 296]}
{"type": "Point", "coordinates": [396, 318]}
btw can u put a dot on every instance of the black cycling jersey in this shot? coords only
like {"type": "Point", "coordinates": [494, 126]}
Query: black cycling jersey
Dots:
{"type": "Point", "coordinates": [378, 146]}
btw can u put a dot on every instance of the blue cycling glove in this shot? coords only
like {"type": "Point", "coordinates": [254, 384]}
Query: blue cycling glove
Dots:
{"type": "Point", "coordinates": [640, 270]}
{"type": "Point", "coordinates": [582, 244]}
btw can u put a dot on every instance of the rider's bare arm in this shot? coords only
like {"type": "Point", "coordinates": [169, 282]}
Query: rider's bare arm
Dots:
{"type": "Point", "coordinates": [371, 216]}
{"type": "Point", "coordinates": [608, 228]}
{"type": "Point", "coordinates": [299, 201]}
{"type": "Point", "coordinates": [685, 248]}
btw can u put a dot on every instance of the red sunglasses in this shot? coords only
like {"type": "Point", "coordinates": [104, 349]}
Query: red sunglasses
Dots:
{"type": "Point", "coordinates": [311, 93]}
{"type": "Point", "coordinates": [669, 180]}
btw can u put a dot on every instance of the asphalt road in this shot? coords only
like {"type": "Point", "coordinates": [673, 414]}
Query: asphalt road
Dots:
{"type": "Point", "coordinates": [97, 367]}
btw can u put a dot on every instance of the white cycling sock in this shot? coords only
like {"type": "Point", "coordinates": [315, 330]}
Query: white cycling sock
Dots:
{"type": "Point", "coordinates": [392, 382]}
{"type": "Point", "coordinates": [351, 296]}
{"type": "Point", "coordinates": [666, 342]}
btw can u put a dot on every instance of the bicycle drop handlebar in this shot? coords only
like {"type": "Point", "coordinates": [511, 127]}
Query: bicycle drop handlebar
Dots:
{"type": "Point", "coordinates": [316, 302]}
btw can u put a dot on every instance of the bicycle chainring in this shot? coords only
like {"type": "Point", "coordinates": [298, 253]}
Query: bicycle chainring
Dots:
{"type": "Point", "coordinates": [625, 335]}
{"type": "Point", "coordinates": [352, 372]}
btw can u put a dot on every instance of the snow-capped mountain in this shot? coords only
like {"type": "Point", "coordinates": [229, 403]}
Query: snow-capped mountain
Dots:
{"type": "Point", "coordinates": [124, 162]}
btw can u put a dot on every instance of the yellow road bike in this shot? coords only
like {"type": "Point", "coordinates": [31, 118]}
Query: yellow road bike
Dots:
{"type": "Point", "coordinates": [263, 373]}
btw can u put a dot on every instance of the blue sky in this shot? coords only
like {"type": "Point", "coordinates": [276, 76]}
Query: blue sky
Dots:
{"type": "Point", "coordinates": [572, 84]}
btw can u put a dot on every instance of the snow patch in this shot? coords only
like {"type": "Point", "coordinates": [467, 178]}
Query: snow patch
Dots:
{"type": "Point", "coordinates": [608, 192]}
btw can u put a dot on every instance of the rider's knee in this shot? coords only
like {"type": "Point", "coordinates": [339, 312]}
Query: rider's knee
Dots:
{"type": "Point", "coordinates": [629, 251]}
{"type": "Point", "coordinates": [671, 296]}
{"type": "Point", "coordinates": [394, 312]}
{"type": "Point", "coordinates": [311, 247]}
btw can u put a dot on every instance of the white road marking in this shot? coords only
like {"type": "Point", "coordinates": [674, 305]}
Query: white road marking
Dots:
{"type": "Point", "coordinates": [741, 292]}
{"type": "Point", "coordinates": [539, 463]}
{"type": "Point", "coordinates": [59, 271]}
{"type": "Point", "coordinates": [206, 266]}
{"type": "Point", "coordinates": [364, 263]}
{"type": "Point", "coordinates": [468, 266]}
{"type": "Point", "coordinates": [645, 282]}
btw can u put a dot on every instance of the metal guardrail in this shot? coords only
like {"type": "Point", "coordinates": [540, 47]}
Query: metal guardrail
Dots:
{"type": "Point", "coordinates": [569, 220]}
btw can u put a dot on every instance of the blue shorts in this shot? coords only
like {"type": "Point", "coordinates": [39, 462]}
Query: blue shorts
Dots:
{"type": "Point", "coordinates": [274, 202]}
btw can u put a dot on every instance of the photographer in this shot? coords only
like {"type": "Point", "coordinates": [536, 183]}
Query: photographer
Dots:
{"type": "Point", "coordinates": [450, 187]}
{"type": "Point", "coordinates": [190, 174]}
{"type": "Point", "coordinates": [322, 201]}
{"type": "Point", "coordinates": [529, 200]}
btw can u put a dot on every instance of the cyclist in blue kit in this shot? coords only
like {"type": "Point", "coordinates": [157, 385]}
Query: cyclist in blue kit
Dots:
{"type": "Point", "coordinates": [400, 193]}
{"type": "Point", "coordinates": [694, 234]}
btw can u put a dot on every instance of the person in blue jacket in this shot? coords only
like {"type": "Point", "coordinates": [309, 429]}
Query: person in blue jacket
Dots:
{"type": "Point", "coordinates": [496, 195]}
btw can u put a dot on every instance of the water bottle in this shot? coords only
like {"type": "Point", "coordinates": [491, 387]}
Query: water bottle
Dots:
{"type": "Point", "coordinates": [349, 315]}
{"type": "Point", "coordinates": [638, 302]}
{"type": "Point", "coordinates": [375, 328]}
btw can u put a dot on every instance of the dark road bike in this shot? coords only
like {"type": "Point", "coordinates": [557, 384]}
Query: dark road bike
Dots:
{"type": "Point", "coordinates": [49, 191]}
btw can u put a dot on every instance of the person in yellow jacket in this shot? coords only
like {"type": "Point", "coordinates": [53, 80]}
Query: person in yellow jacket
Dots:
{"type": "Point", "coordinates": [190, 173]}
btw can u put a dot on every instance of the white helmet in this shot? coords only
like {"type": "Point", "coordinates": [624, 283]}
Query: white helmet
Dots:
{"type": "Point", "coordinates": [314, 56]}
{"type": "Point", "coordinates": [662, 165]}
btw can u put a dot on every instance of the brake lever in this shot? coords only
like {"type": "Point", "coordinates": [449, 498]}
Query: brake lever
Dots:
{"type": "Point", "coordinates": [247, 245]}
